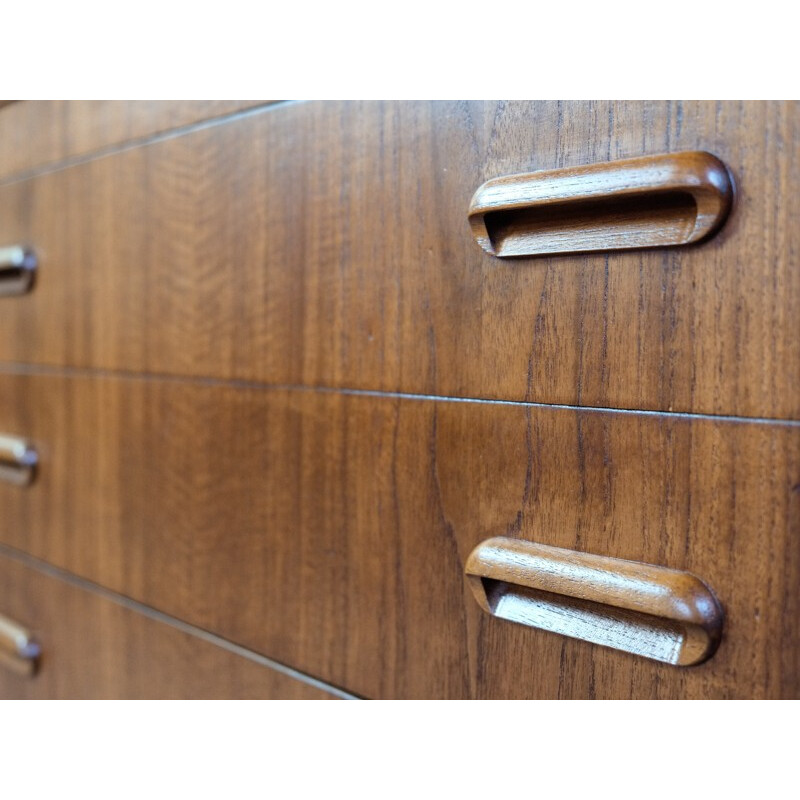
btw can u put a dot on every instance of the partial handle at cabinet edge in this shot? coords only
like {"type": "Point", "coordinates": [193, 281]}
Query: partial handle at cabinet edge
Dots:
{"type": "Point", "coordinates": [17, 270]}
{"type": "Point", "coordinates": [19, 650]}
{"type": "Point", "coordinates": [18, 460]}
{"type": "Point", "coordinates": [652, 201]}
{"type": "Point", "coordinates": [647, 610]}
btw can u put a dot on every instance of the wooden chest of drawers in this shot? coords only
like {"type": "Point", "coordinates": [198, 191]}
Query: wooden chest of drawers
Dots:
{"type": "Point", "coordinates": [279, 394]}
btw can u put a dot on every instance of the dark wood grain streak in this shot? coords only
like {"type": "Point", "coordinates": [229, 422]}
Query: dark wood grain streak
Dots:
{"type": "Point", "coordinates": [41, 133]}
{"type": "Point", "coordinates": [327, 244]}
{"type": "Point", "coordinates": [330, 531]}
{"type": "Point", "coordinates": [94, 648]}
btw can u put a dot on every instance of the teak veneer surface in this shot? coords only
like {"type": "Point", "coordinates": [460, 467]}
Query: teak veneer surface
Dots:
{"type": "Point", "coordinates": [95, 648]}
{"type": "Point", "coordinates": [39, 134]}
{"type": "Point", "coordinates": [327, 244]}
{"type": "Point", "coordinates": [329, 531]}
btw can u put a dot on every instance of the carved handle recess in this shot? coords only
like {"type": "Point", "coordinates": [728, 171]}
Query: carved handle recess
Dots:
{"type": "Point", "coordinates": [653, 201]}
{"type": "Point", "coordinates": [19, 651]}
{"type": "Point", "coordinates": [18, 460]}
{"type": "Point", "coordinates": [647, 610]}
{"type": "Point", "coordinates": [17, 270]}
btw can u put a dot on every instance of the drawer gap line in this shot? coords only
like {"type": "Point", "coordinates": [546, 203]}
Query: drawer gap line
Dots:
{"type": "Point", "coordinates": [45, 370]}
{"type": "Point", "coordinates": [142, 141]}
{"type": "Point", "coordinates": [52, 571]}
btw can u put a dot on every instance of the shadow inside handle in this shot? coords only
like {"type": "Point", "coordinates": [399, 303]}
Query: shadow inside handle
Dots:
{"type": "Point", "coordinates": [649, 220]}
{"type": "Point", "coordinates": [634, 632]}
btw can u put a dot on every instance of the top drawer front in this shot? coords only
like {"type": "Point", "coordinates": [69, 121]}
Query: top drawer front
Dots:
{"type": "Point", "coordinates": [328, 244]}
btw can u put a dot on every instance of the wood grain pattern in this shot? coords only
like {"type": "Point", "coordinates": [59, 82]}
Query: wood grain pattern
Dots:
{"type": "Point", "coordinates": [328, 245]}
{"type": "Point", "coordinates": [39, 133]}
{"type": "Point", "coordinates": [94, 648]}
{"type": "Point", "coordinates": [330, 531]}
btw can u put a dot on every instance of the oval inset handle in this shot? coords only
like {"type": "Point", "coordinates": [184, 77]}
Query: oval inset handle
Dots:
{"type": "Point", "coordinates": [19, 650]}
{"type": "Point", "coordinates": [18, 460]}
{"type": "Point", "coordinates": [653, 201]}
{"type": "Point", "coordinates": [647, 610]}
{"type": "Point", "coordinates": [17, 270]}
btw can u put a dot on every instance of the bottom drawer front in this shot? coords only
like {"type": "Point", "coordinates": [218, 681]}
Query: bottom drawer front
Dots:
{"type": "Point", "coordinates": [330, 531]}
{"type": "Point", "coordinates": [93, 647]}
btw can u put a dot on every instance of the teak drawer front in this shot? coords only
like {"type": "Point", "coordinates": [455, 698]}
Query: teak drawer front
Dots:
{"type": "Point", "coordinates": [327, 244]}
{"type": "Point", "coordinates": [94, 648]}
{"type": "Point", "coordinates": [330, 531]}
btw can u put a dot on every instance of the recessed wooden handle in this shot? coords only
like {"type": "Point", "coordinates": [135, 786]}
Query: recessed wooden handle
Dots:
{"type": "Point", "coordinates": [19, 651]}
{"type": "Point", "coordinates": [647, 610]}
{"type": "Point", "coordinates": [17, 270]}
{"type": "Point", "coordinates": [18, 459]}
{"type": "Point", "coordinates": [653, 201]}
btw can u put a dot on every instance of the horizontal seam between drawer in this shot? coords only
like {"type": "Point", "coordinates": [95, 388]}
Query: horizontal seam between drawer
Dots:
{"type": "Point", "coordinates": [141, 141]}
{"type": "Point", "coordinates": [46, 370]}
{"type": "Point", "coordinates": [52, 571]}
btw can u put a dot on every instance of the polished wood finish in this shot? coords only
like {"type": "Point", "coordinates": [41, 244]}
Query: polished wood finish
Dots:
{"type": "Point", "coordinates": [235, 361]}
{"type": "Point", "coordinates": [330, 531]}
{"type": "Point", "coordinates": [652, 201]}
{"type": "Point", "coordinates": [41, 134]}
{"type": "Point", "coordinates": [328, 245]}
{"type": "Point", "coordinates": [94, 648]}
{"type": "Point", "coordinates": [644, 609]}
